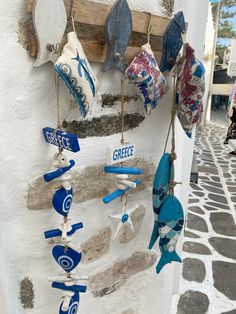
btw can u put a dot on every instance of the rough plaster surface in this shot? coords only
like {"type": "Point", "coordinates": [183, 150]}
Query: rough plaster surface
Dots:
{"type": "Point", "coordinates": [109, 280]}
{"type": "Point", "coordinates": [137, 218]}
{"type": "Point", "coordinates": [84, 188]}
{"type": "Point", "coordinates": [96, 246]}
{"type": "Point", "coordinates": [28, 105]}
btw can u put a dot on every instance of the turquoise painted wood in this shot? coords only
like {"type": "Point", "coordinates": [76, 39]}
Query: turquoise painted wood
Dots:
{"type": "Point", "coordinates": [163, 176]}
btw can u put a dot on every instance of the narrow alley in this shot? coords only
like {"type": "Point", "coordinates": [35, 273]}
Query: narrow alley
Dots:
{"type": "Point", "coordinates": [208, 283]}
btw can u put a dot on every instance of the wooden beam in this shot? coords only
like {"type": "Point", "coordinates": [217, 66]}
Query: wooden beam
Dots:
{"type": "Point", "coordinates": [88, 12]}
{"type": "Point", "coordinates": [90, 19]}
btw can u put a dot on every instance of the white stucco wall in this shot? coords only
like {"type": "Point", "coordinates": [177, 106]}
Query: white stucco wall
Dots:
{"type": "Point", "coordinates": [28, 105]}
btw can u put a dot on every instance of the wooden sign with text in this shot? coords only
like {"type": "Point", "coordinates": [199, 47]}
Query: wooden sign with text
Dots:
{"type": "Point", "coordinates": [61, 139]}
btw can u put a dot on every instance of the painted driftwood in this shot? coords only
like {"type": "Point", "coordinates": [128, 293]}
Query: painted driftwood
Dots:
{"type": "Point", "coordinates": [50, 20]}
{"type": "Point", "coordinates": [118, 30]}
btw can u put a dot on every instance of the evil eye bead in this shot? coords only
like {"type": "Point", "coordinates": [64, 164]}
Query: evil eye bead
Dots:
{"type": "Point", "coordinates": [125, 218]}
{"type": "Point", "coordinates": [62, 201]}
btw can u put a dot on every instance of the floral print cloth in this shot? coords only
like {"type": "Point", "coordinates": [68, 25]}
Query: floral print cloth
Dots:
{"type": "Point", "coordinates": [145, 73]}
{"type": "Point", "coordinates": [190, 91]}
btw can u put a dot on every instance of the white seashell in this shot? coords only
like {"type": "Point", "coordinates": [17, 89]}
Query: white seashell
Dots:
{"type": "Point", "coordinates": [128, 183]}
{"type": "Point", "coordinates": [120, 186]}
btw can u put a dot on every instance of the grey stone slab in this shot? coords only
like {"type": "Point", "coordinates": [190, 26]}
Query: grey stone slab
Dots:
{"type": "Point", "coordinates": [218, 198]}
{"type": "Point", "coordinates": [195, 186]}
{"type": "Point", "coordinates": [230, 312]}
{"type": "Point", "coordinates": [232, 189]}
{"type": "Point", "coordinates": [195, 222]}
{"type": "Point", "coordinates": [196, 248]}
{"type": "Point", "coordinates": [210, 208]}
{"type": "Point", "coordinates": [199, 194]}
{"type": "Point", "coordinates": [215, 184]}
{"type": "Point", "coordinates": [193, 200]}
{"type": "Point", "coordinates": [217, 205]}
{"type": "Point", "coordinates": [193, 270]}
{"type": "Point", "coordinates": [196, 209]}
{"type": "Point", "coordinates": [109, 280]}
{"type": "Point", "coordinates": [97, 246]}
{"type": "Point", "coordinates": [209, 170]}
{"type": "Point", "coordinates": [216, 179]}
{"type": "Point", "coordinates": [233, 199]}
{"type": "Point", "coordinates": [227, 175]}
{"type": "Point", "coordinates": [193, 302]}
{"type": "Point", "coordinates": [231, 183]}
{"type": "Point", "coordinates": [224, 278]}
{"type": "Point", "coordinates": [189, 234]}
{"type": "Point", "coordinates": [212, 189]}
{"type": "Point", "coordinates": [225, 247]}
{"type": "Point", "coordinates": [223, 223]}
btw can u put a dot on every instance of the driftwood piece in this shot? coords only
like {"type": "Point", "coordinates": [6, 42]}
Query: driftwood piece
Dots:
{"type": "Point", "coordinates": [90, 19]}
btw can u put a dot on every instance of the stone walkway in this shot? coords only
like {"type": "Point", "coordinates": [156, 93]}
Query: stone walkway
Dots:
{"type": "Point", "coordinates": [209, 251]}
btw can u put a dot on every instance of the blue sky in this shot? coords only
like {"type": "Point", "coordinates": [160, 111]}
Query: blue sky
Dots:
{"type": "Point", "coordinates": [233, 20]}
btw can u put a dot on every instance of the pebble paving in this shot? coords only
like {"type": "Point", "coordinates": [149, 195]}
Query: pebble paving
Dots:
{"type": "Point", "coordinates": [208, 283]}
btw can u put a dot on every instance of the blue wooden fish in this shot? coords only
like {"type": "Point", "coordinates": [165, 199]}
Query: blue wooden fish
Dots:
{"type": "Point", "coordinates": [170, 223]}
{"type": "Point", "coordinates": [118, 30]}
{"type": "Point", "coordinates": [164, 173]}
{"type": "Point", "coordinates": [172, 42]}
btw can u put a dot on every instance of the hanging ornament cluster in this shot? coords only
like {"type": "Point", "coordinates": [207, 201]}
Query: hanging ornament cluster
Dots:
{"type": "Point", "coordinates": [168, 211]}
{"type": "Point", "coordinates": [119, 154]}
{"type": "Point", "coordinates": [66, 254]}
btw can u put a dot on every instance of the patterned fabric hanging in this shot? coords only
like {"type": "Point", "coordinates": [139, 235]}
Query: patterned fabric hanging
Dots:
{"type": "Point", "coordinates": [145, 73]}
{"type": "Point", "coordinates": [190, 91]}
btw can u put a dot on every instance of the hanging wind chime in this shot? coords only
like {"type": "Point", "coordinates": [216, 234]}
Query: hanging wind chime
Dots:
{"type": "Point", "coordinates": [119, 154]}
{"type": "Point", "coordinates": [65, 253]}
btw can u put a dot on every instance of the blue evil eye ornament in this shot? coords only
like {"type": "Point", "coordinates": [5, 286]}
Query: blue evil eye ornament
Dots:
{"type": "Point", "coordinates": [62, 201]}
{"type": "Point", "coordinates": [73, 306]}
{"type": "Point", "coordinates": [67, 258]}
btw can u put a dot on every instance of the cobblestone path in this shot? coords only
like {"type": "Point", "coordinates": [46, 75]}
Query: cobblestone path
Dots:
{"type": "Point", "coordinates": [208, 283]}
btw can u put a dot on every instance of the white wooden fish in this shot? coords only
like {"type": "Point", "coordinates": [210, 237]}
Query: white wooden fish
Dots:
{"type": "Point", "coordinates": [50, 20]}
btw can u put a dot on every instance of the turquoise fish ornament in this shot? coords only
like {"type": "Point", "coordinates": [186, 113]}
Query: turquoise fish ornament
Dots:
{"type": "Point", "coordinates": [164, 174]}
{"type": "Point", "coordinates": [170, 223]}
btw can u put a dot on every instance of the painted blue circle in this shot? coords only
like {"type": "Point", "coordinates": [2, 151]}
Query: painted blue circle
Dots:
{"type": "Point", "coordinates": [125, 218]}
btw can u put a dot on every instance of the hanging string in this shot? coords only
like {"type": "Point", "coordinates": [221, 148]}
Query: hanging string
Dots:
{"type": "Point", "coordinates": [122, 99]}
{"type": "Point", "coordinates": [149, 28]}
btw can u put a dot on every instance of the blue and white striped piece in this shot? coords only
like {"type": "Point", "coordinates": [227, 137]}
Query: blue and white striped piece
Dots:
{"type": "Point", "coordinates": [170, 223]}
{"type": "Point", "coordinates": [163, 176]}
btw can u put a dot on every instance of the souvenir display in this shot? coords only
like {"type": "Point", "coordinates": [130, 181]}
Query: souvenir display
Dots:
{"type": "Point", "coordinates": [66, 254]}
{"type": "Point", "coordinates": [168, 211]}
{"type": "Point", "coordinates": [118, 30]}
{"type": "Point", "coordinates": [190, 90]}
{"type": "Point", "coordinates": [172, 42]}
{"type": "Point", "coordinates": [117, 154]}
{"type": "Point", "coordinates": [145, 73]}
{"type": "Point", "coordinates": [74, 69]}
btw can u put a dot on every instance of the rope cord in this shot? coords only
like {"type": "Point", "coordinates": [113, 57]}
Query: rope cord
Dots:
{"type": "Point", "coordinates": [122, 99]}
